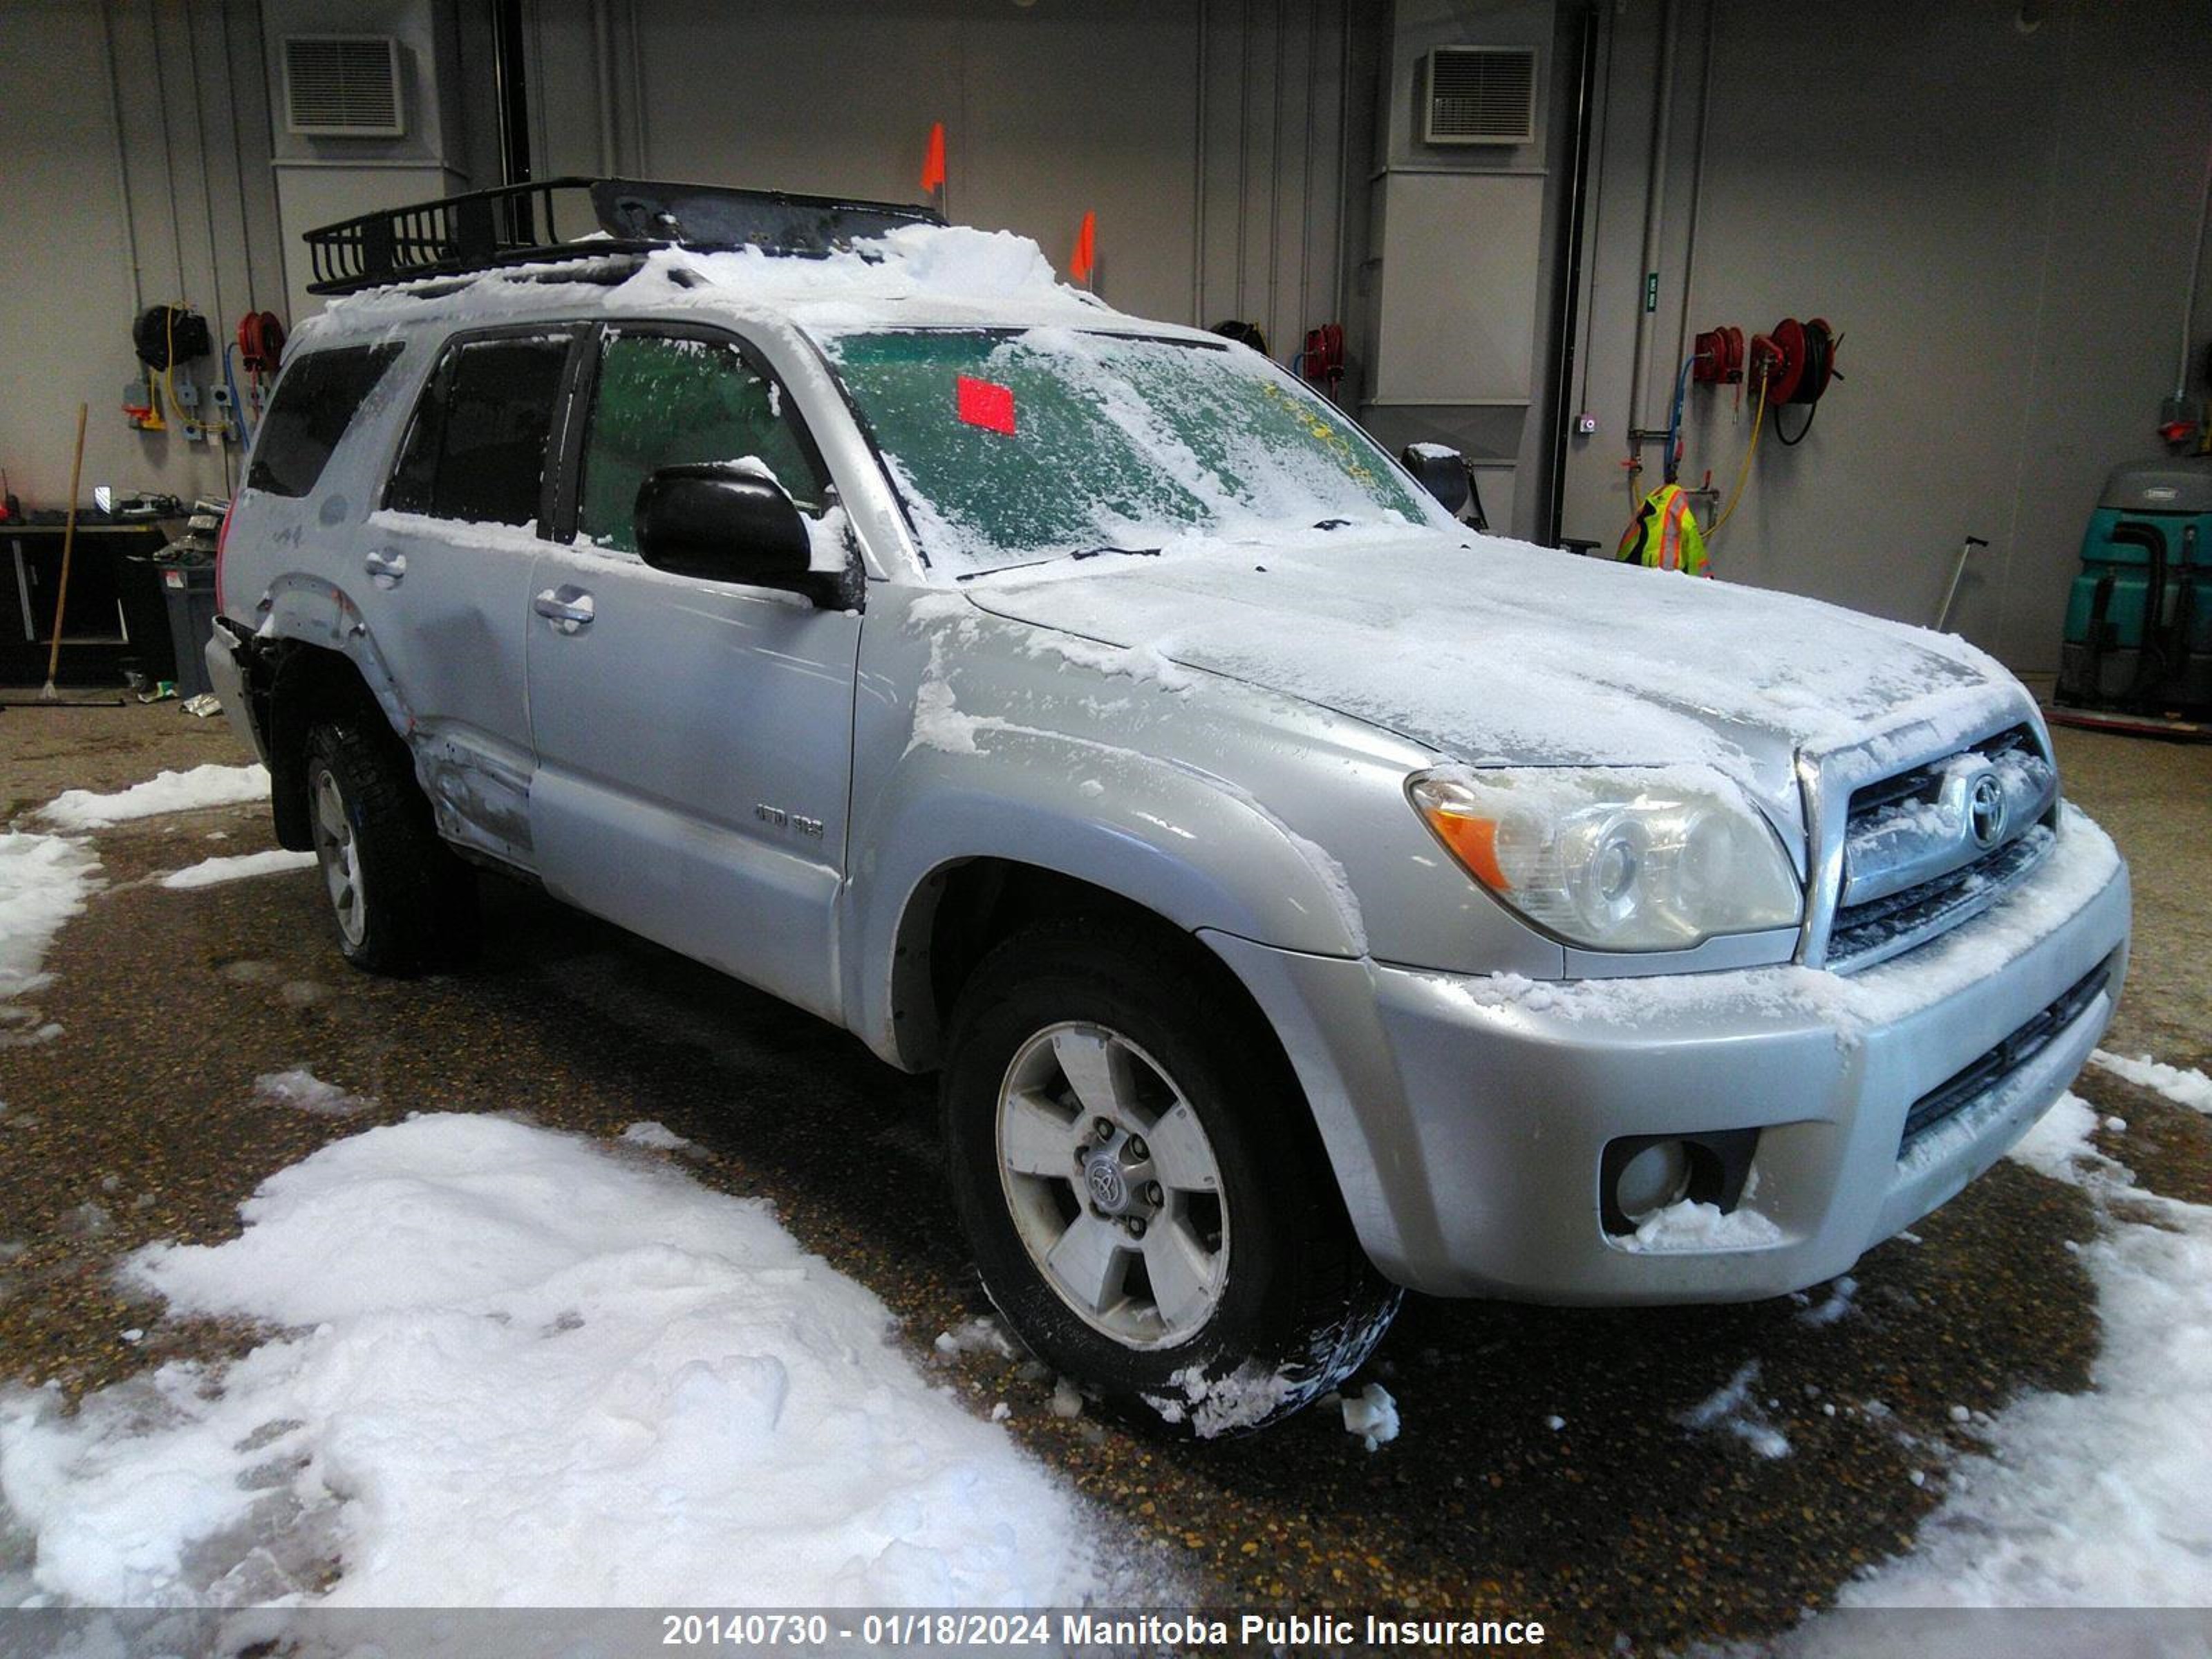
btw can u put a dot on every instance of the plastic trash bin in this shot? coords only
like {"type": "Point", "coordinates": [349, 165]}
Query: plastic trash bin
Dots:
{"type": "Point", "coordinates": [189, 591]}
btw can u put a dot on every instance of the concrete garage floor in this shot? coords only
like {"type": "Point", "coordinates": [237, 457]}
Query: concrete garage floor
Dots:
{"type": "Point", "coordinates": [1619, 1521]}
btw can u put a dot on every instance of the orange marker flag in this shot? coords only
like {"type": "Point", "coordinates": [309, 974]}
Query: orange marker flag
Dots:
{"type": "Point", "coordinates": [1085, 257]}
{"type": "Point", "coordinates": [932, 163]}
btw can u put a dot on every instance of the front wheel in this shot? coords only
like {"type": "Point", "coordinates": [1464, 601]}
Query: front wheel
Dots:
{"type": "Point", "coordinates": [1148, 1203]}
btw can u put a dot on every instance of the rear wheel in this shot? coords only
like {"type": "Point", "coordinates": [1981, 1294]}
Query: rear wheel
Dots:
{"type": "Point", "coordinates": [1149, 1206]}
{"type": "Point", "coordinates": [400, 898]}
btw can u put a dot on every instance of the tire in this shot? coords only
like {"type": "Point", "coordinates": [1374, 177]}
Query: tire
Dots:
{"type": "Point", "coordinates": [1254, 1297]}
{"type": "Point", "coordinates": [401, 901]}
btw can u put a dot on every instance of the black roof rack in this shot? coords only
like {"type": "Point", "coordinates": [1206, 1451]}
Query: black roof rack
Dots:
{"type": "Point", "coordinates": [580, 218]}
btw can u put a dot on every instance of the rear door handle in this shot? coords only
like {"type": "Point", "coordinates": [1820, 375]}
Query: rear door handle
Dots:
{"type": "Point", "coordinates": [569, 610]}
{"type": "Point", "coordinates": [385, 568]}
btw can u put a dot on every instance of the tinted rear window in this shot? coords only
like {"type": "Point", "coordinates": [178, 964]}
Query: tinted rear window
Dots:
{"type": "Point", "coordinates": [315, 403]}
{"type": "Point", "coordinates": [476, 450]}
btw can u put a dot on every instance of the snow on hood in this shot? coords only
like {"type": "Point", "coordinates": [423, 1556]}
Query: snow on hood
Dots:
{"type": "Point", "coordinates": [1500, 652]}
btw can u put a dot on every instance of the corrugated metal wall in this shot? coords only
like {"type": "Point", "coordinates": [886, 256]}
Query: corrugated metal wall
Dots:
{"type": "Point", "coordinates": [1271, 173]}
{"type": "Point", "coordinates": [136, 134]}
{"type": "Point", "coordinates": [2000, 221]}
{"type": "Point", "coordinates": [1214, 138]}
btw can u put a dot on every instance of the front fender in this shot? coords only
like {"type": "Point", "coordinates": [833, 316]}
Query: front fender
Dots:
{"type": "Point", "coordinates": [1192, 848]}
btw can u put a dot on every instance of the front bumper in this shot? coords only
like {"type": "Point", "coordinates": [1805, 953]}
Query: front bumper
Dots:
{"type": "Point", "coordinates": [1466, 1117]}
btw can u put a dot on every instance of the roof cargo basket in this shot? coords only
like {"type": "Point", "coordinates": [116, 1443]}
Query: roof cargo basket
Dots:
{"type": "Point", "coordinates": [580, 218]}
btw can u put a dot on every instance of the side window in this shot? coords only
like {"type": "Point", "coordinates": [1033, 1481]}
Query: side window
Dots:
{"type": "Point", "coordinates": [664, 401]}
{"type": "Point", "coordinates": [476, 450]}
{"type": "Point", "coordinates": [316, 401]}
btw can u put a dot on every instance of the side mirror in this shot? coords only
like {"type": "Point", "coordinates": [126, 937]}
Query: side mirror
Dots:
{"type": "Point", "coordinates": [723, 523]}
{"type": "Point", "coordinates": [1441, 471]}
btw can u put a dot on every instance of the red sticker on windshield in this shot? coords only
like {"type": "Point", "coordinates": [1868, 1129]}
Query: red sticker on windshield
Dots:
{"type": "Point", "coordinates": [986, 405]}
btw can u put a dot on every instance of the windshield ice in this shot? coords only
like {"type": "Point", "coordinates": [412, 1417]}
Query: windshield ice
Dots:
{"type": "Point", "coordinates": [1014, 446]}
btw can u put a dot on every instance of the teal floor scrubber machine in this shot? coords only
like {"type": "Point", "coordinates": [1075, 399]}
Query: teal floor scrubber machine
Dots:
{"type": "Point", "coordinates": [2137, 654]}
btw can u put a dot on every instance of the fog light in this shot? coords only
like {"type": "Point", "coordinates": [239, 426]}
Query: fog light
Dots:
{"type": "Point", "coordinates": [1656, 1177]}
{"type": "Point", "coordinates": [1639, 1174]}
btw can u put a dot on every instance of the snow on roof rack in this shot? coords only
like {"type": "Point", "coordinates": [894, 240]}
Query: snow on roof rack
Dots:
{"type": "Point", "coordinates": [524, 224]}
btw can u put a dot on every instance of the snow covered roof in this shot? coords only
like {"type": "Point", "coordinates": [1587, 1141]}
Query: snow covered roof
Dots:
{"type": "Point", "coordinates": [916, 275]}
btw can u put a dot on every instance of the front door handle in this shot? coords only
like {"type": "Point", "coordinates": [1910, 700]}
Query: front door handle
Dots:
{"type": "Point", "coordinates": [385, 568]}
{"type": "Point", "coordinates": [569, 610]}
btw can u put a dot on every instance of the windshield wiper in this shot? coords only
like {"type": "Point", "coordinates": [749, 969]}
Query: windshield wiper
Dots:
{"type": "Point", "coordinates": [1078, 553]}
{"type": "Point", "coordinates": [1333, 524]}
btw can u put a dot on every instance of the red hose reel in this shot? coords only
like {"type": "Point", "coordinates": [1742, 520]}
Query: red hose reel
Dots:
{"type": "Point", "coordinates": [260, 342]}
{"type": "Point", "coordinates": [1719, 357]}
{"type": "Point", "coordinates": [1796, 360]}
{"type": "Point", "coordinates": [1321, 362]}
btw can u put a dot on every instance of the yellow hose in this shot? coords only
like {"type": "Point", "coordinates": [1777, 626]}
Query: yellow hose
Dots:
{"type": "Point", "coordinates": [1743, 473]}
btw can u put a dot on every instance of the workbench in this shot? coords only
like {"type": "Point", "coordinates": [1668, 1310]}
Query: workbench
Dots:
{"type": "Point", "coordinates": [116, 620]}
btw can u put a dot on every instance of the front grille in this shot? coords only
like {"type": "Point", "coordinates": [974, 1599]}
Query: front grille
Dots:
{"type": "Point", "coordinates": [1879, 929]}
{"type": "Point", "coordinates": [1926, 848]}
{"type": "Point", "coordinates": [1991, 1070]}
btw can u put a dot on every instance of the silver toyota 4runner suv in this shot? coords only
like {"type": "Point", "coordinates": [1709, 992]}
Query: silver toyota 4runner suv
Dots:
{"type": "Point", "coordinates": [1301, 896]}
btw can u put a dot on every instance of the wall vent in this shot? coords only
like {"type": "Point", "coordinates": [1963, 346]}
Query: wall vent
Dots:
{"type": "Point", "coordinates": [342, 86]}
{"type": "Point", "coordinates": [1480, 95]}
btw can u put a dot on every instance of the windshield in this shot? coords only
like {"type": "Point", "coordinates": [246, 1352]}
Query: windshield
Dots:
{"type": "Point", "coordinates": [1014, 447]}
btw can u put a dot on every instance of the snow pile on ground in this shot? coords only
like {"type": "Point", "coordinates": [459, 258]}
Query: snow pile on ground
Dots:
{"type": "Point", "coordinates": [984, 1336]}
{"type": "Point", "coordinates": [524, 1371]}
{"type": "Point", "coordinates": [1067, 1402]}
{"type": "Point", "coordinates": [1372, 1415]}
{"type": "Point", "coordinates": [166, 792]}
{"type": "Point", "coordinates": [210, 872]}
{"type": "Point", "coordinates": [2183, 1087]}
{"type": "Point", "coordinates": [302, 1091]}
{"type": "Point", "coordinates": [2094, 1500]}
{"type": "Point", "coordinates": [1731, 1409]}
{"type": "Point", "coordinates": [43, 881]}
{"type": "Point", "coordinates": [654, 1137]}
{"type": "Point", "coordinates": [1838, 1304]}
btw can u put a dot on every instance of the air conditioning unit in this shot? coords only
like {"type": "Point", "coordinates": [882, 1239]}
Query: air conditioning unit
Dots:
{"type": "Point", "coordinates": [342, 86]}
{"type": "Point", "coordinates": [1480, 95]}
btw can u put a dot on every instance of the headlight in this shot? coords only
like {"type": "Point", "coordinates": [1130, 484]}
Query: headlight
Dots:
{"type": "Point", "coordinates": [1616, 858]}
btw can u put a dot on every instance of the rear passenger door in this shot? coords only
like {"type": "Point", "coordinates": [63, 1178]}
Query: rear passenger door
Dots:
{"type": "Point", "coordinates": [694, 739]}
{"type": "Point", "coordinates": [444, 583]}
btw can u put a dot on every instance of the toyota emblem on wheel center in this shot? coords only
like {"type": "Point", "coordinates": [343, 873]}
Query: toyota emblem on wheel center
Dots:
{"type": "Point", "coordinates": [1104, 1177]}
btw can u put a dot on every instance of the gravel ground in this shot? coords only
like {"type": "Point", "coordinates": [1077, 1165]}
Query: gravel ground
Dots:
{"type": "Point", "coordinates": [140, 1122]}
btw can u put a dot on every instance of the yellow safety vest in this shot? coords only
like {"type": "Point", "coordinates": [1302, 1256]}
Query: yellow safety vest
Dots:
{"type": "Point", "coordinates": [1664, 535]}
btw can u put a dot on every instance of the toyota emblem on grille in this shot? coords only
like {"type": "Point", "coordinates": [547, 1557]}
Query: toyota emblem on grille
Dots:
{"type": "Point", "coordinates": [1985, 810]}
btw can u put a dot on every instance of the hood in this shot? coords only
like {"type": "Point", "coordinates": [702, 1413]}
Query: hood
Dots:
{"type": "Point", "coordinates": [1492, 652]}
